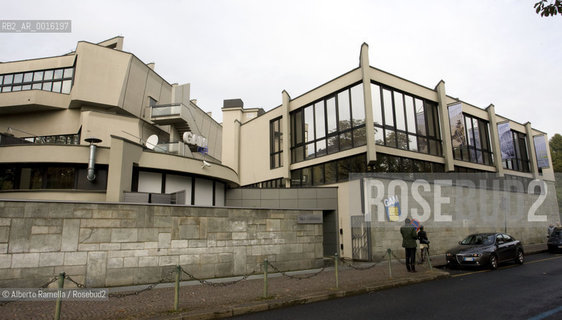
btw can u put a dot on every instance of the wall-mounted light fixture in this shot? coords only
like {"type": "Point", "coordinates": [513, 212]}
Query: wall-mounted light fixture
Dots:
{"type": "Point", "coordinates": [92, 160]}
{"type": "Point", "coordinates": [205, 164]}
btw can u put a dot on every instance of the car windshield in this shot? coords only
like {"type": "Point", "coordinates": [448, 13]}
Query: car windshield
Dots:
{"type": "Point", "coordinates": [474, 239]}
{"type": "Point", "coordinates": [557, 233]}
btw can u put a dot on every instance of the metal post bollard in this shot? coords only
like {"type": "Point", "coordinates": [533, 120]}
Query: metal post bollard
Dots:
{"type": "Point", "coordinates": [389, 261]}
{"type": "Point", "coordinates": [59, 301]}
{"type": "Point", "coordinates": [336, 267]}
{"type": "Point", "coordinates": [177, 288]}
{"type": "Point", "coordinates": [265, 263]}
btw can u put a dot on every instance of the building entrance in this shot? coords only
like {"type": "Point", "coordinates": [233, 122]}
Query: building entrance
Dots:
{"type": "Point", "coordinates": [329, 229]}
{"type": "Point", "coordinates": [360, 238]}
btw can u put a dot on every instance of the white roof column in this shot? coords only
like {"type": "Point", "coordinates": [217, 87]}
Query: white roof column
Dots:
{"type": "Point", "coordinates": [495, 140]}
{"type": "Point", "coordinates": [368, 101]}
{"type": "Point", "coordinates": [445, 127]}
{"type": "Point", "coordinates": [231, 122]}
{"type": "Point", "coordinates": [286, 131]}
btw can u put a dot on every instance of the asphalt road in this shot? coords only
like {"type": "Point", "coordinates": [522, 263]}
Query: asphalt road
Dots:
{"type": "Point", "coordinates": [530, 291]}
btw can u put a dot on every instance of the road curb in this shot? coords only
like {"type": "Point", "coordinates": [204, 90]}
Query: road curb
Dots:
{"type": "Point", "coordinates": [259, 306]}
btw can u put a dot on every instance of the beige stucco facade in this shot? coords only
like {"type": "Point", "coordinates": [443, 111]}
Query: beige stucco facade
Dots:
{"type": "Point", "coordinates": [110, 95]}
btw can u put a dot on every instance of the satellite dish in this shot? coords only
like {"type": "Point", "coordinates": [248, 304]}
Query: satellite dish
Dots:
{"type": "Point", "coordinates": [151, 142]}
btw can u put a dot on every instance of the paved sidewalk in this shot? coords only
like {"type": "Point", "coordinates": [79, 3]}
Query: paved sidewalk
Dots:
{"type": "Point", "coordinates": [211, 302]}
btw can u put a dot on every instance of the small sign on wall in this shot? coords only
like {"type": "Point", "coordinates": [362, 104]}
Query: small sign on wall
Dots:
{"type": "Point", "coordinates": [309, 219]}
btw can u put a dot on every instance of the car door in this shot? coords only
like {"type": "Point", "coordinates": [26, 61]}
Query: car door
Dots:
{"type": "Point", "coordinates": [511, 246]}
{"type": "Point", "coordinates": [501, 248]}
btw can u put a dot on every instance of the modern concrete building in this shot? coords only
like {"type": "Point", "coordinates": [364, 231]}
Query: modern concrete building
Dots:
{"type": "Point", "coordinates": [158, 146]}
{"type": "Point", "coordinates": [50, 109]}
{"type": "Point", "coordinates": [373, 136]}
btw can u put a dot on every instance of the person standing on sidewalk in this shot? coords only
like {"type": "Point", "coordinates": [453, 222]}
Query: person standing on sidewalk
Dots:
{"type": "Point", "coordinates": [409, 243]}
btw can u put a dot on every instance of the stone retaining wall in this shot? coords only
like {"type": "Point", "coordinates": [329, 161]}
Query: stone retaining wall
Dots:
{"type": "Point", "coordinates": [105, 245]}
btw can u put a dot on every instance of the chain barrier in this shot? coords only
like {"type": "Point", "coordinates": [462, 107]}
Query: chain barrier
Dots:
{"type": "Point", "coordinates": [216, 284]}
{"type": "Point", "coordinates": [49, 282]}
{"type": "Point", "coordinates": [361, 268]}
{"type": "Point", "coordinates": [301, 277]}
{"type": "Point", "coordinates": [404, 263]}
{"type": "Point", "coordinates": [120, 295]}
{"type": "Point", "coordinates": [149, 287]}
{"type": "Point", "coordinates": [79, 285]}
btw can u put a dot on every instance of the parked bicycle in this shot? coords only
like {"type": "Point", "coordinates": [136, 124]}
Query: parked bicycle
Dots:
{"type": "Point", "coordinates": [424, 245]}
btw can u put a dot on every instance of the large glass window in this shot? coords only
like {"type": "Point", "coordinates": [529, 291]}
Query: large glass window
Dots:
{"type": "Point", "coordinates": [57, 139]}
{"type": "Point", "coordinates": [475, 145]}
{"type": "Point", "coordinates": [331, 115]}
{"type": "Point", "coordinates": [276, 143]}
{"type": "Point", "coordinates": [329, 172]}
{"type": "Point", "coordinates": [50, 176]}
{"type": "Point", "coordinates": [340, 170]}
{"type": "Point", "coordinates": [332, 124]}
{"type": "Point", "coordinates": [404, 121]}
{"type": "Point", "coordinates": [8, 177]}
{"type": "Point", "coordinates": [269, 184]}
{"type": "Point", "coordinates": [39, 80]}
{"type": "Point", "coordinates": [520, 160]}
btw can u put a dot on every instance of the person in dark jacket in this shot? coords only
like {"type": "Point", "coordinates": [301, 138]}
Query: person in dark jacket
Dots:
{"type": "Point", "coordinates": [409, 243]}
{"type": "Point", "coordinates": [424, 244]}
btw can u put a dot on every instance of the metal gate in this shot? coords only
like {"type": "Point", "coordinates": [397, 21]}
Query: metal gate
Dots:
{"type": "Point", "coordinates": [360, 238]}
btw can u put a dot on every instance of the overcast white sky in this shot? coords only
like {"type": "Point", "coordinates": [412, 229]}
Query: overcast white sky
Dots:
{"type": "Point", "coordinates": [498, 52]}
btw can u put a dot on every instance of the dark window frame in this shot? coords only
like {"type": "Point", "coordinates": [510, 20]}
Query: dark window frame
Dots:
{"type": "Point", "coordinates": [357, 164]}
{"type": "Point", "coordinates": [275, 156]}
{"type": "Point", "coordinates": [268, 184]}
{"type": "Point", "coordinates": [45, 84]}
{"type": "Point", "coordinates": [47, 179]}
{"type": "Point", "coordinates": [70, 139]}
{"type": "Point", "coordinates": [297, 127]}
{"type": "Point", "coordinates": [434, 145]}
{"type": "Point", "coordinates": [521, 161]}
{"type": "Point", "coordinates": [469, 153]}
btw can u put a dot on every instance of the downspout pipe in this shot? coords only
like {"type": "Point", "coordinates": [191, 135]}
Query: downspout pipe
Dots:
{"type": "Point", "coordinates": [92, 159]}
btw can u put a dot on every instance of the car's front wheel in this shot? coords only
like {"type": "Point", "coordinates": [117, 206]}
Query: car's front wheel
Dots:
{"type": "Point", "coordinates": [493, 262]}
{"type": "Point", "coordinates": [519, 257]}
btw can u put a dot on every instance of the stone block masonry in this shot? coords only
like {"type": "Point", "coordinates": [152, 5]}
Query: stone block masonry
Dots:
{"type": "Point", "coordinates": [126, 244]}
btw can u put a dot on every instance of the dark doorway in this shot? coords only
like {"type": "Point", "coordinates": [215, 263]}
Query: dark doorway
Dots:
{"type": "Point", "coordinates": [330, 231]}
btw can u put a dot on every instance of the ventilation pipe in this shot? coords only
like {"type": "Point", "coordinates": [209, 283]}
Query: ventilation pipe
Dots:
{"type": "Point", "coordinates": [92, 160]}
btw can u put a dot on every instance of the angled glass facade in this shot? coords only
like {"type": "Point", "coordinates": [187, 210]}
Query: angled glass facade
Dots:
{"type": "Point", "coordinates": [520, 158]}
{"type": "Point", "coordinates": [405, 122]}
{"type": "Point", "coordinates": [473, 137]}
{"type": "Point", "coordinates": [332, 124]}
